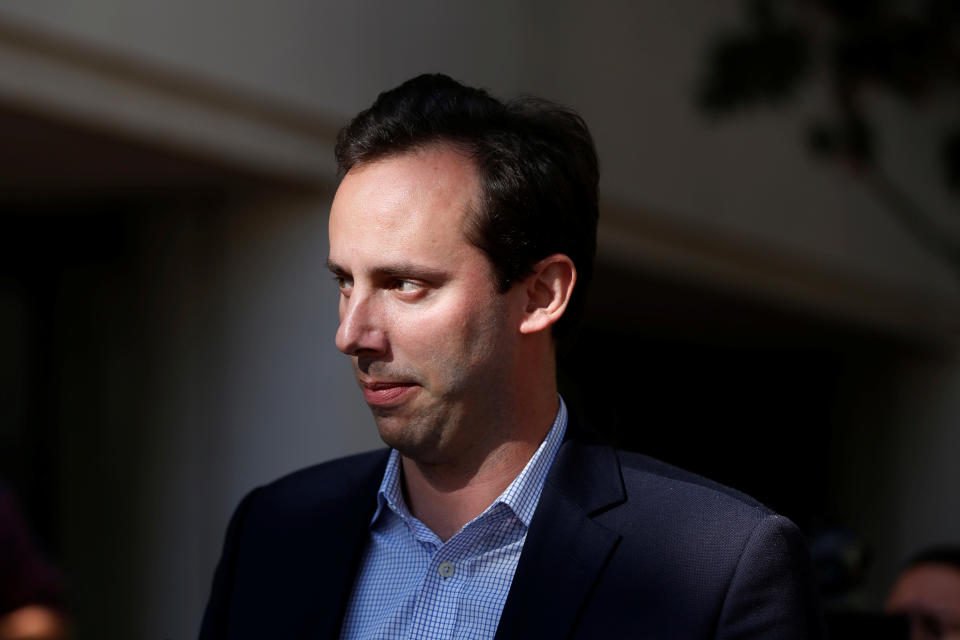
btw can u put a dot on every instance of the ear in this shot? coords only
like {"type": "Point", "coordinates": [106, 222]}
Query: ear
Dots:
{"type": "Point", "coordinates": [547, 290]}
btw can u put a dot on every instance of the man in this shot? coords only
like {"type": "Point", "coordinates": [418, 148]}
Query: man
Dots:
{"type": "Point", "coordinates": [461, 239]}
{"type": "Point", "coordinates": [927, 592]}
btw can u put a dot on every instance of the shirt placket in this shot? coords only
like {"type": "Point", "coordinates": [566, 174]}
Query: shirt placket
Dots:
{"type": "Point", "coordinates": [435, 615]}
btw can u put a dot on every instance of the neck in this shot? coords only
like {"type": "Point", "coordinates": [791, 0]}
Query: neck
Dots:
{"type": "Point", "coordinates": [446, 497]}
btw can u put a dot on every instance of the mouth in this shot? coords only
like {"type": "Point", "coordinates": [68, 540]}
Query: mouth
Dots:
{"type": "Point", "coordinates": [386, 394]}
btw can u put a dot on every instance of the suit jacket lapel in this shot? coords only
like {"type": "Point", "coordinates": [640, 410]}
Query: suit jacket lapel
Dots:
{"type": "Point", "coordinates": [566, 550]}
{"type": "Point", "coordinates": [342, 536]}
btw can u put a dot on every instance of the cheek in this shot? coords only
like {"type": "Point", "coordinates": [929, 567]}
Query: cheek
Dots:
{"type": "Point", "coordinates": [452, 336]}
{"type": "Point", "coordinates": [431, 336]}
{"type": "Point", "coordinates": [483, 335]}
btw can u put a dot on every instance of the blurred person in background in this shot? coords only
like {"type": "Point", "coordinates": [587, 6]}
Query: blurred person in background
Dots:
{"type": "Point", "coordinates": [31, 590]}
{"type": "Point", "coordinates": [462, 237]}
{"type": "Point", "coordinates": [927, 591]}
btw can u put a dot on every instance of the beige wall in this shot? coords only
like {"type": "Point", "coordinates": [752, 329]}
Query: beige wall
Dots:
{"type": "Point", "coordinates": [631, 69]}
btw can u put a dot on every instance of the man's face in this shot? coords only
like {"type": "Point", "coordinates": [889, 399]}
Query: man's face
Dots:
{"type": "Point", "coordinates": [430, 339]}
{"type": "Point", "coordinates": [929, 594]}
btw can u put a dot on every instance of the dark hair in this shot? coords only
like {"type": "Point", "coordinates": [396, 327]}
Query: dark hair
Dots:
{"type": "Point", "coordinates": [535, 160]}
{"type": "Point", "coordinates": [945, 554]}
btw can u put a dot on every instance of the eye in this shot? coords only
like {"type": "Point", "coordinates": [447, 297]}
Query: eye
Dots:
{"type": "Point", "coordinates": [344, 284]}
{"type": "Point", "coordinates": [406, 286]}
{"type": "Point", "coordinates": [409, 289]}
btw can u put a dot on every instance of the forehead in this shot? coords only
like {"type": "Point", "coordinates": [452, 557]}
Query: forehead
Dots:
{"type": "Point", "coordinates": [928, 584]}
{"type": "Point", "coordinates": [414, 203]}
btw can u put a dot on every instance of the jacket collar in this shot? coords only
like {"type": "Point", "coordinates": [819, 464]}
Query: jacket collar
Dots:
{"type": "Point", "coordinates": [566, 550]}
{"type": "Point", "coordinates": [344, 528]}
{"type": "Point", "coordinates": [564, 554]}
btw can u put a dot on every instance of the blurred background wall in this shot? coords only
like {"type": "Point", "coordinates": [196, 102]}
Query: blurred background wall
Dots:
{"type": "Point", "coordinates": [167, 321]}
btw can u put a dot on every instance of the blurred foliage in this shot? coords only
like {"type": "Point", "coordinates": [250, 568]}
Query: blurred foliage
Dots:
{"type": "Point", "coordinates": [908, 49]}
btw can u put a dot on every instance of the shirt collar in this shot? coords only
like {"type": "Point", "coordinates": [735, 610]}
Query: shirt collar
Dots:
{"type": "Point", "coordinates": [521, 496]}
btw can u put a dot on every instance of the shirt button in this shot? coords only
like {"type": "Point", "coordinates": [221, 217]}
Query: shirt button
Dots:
{"type": "Point", "coordinates": [445, 569]}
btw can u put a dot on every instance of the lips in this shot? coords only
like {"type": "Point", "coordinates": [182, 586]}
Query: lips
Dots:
{"type": "Point", "coordinates": [384, 394]}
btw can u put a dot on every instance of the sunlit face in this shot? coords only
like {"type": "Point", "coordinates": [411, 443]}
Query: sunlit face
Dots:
{"type": "Point", "coordinates": [431, 340]}
{"type": "Point", "coordinates": [930, 594]}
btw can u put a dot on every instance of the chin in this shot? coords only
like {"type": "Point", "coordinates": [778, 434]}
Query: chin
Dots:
{"type": "Point", "coordinates": [410, 439]}
{"type": "Point", "coordinates": [393, 430]}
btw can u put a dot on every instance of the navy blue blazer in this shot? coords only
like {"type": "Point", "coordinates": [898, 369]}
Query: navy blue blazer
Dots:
{"type": "Point", "coordinates": [620, 546]}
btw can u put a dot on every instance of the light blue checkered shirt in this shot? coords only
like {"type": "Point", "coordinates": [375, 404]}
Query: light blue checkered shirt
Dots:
{"type": "Point", "coordinates": [413, 585]}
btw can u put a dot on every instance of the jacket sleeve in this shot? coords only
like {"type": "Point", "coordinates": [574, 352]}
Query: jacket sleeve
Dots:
{"type": "Point", "coordinates": [772, 594]}
{"type": "Point", "coordinates": [216, 616]}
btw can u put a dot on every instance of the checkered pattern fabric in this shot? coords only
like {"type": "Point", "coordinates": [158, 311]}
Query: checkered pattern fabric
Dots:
{"type": "Point", "coordinates": [413, 585]}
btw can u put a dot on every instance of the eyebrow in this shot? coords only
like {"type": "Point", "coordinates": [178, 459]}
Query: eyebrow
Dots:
{"type": "Point", "coordinates": [399, 270]}
{"type": "Point", "coordinates": [335, 268]}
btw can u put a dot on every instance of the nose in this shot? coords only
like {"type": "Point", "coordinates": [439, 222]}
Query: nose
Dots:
{"type": "Point", "coordinates": [361, 330]}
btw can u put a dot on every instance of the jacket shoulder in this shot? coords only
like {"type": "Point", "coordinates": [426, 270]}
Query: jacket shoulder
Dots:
{"type": "Point", "coordinates": [653, 473]}
{"type": "Point", "coordinates": [334, 480]}
{"type": "Point", "coordinates": [707, 548]}
{"type": "Point", "coordinates": [291, 544]}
